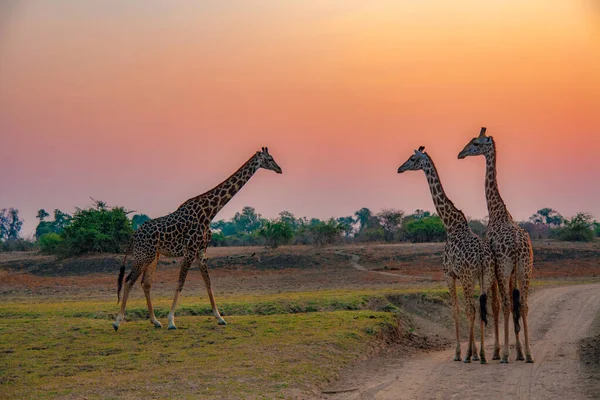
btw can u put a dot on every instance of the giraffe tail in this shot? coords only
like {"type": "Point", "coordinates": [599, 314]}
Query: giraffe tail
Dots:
{"type": "Point", "coordinates": [516, 309]}
{"type": "Point", "coordinates": [483, 308]}
{"type": "Point", "coordinates": [120, 279]}
{"type": "Point", "coordinates": [483, 300]}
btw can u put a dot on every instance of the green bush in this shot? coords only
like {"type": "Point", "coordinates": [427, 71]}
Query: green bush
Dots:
{"type": "Point", "coordinates": [18, 244]}
{"type": "Point", "coordinates": [50, 243]}
{"type": "Point", "coordinates": [579, 229]}
{"type": "Point", "coordinates": [426, 229]}
{"type": "Point", "coordinates": [97, 229]}
{"type": "Point", "coordinates": [276, 233]}
{"type": "Point", "coordinates": [326, 232]}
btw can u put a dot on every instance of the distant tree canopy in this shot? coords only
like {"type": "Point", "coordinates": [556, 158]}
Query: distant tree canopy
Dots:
{"type": "Point", "coordinates": [57, 225]}
{"type": "Point", "coordinates": [138, 219]}
{"type": "Point", "coordinates": [547, 216]}
{"type": "Point", "coordinates": [10, 224]}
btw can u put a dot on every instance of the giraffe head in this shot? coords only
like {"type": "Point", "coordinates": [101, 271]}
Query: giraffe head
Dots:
{"type": "Point", "coordinates": [266, 161]}
{"type": "Point", "coordinates": [416, 162]}
{"type": "Point", "coordinates": [481, 145]}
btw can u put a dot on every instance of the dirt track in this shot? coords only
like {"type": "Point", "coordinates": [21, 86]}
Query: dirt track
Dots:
{"type": "Point", "coordinates": [559, 318]}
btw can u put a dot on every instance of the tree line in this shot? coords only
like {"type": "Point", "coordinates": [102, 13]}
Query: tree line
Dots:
{"type": "Point", "coordinates": [104, 229]}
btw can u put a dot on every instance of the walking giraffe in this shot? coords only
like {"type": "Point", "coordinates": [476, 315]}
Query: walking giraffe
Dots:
{"type": "Point", "coordinates": [184, 233]}
{"type": "Point", "coordinates": [466, 258]}
{"type": "Point", "coordinates": [510, 245]}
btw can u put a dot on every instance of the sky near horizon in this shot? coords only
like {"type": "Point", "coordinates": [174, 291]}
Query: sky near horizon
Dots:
{"type": "Point", "coordinates": [144, 104]}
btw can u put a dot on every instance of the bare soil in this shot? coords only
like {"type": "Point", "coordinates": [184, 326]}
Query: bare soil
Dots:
{"type": "Point", "coordinates": [560, 318]}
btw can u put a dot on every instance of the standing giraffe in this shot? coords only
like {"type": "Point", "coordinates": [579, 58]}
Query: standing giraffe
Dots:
{"type": "Point", "coordinates": [511, 246]}
{"type": "Point", "coordinates": [184, 233]}
{"type": "Point", "coordinates": [466, 258]}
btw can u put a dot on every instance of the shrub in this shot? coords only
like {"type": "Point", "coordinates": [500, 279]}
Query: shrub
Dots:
{"type": "Point", "coordinates": [578, 229]}
{"type": "Point", "coordinates": [16, 245]}
{"type": "Point", "coordinates": [373, 235]}
{"type": "Point", "coordinates": [97, 229]}
{"type": "Point", "coordinates": [426, 229]}
{"type": "Point", "coordinates": [276, 233]}
{"type": "Point", "coordinates": [326, 232]}
{"type": "Point", "coordinates": [50, 243]}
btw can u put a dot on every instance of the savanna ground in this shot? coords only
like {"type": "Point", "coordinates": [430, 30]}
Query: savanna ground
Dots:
{"type": "Point", "coordinates": [304, 322]}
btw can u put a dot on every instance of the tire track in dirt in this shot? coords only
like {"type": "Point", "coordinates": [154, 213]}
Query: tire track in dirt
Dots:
{"type": "Point", "coordinates": [558, 317]}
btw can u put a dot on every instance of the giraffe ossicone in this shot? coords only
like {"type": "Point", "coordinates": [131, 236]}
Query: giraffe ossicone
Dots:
{"type": "Point", "coordinates": [184, 233]}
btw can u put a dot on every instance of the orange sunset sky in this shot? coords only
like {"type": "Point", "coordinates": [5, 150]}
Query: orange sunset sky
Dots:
{"type": "Point", "coordinates": [147, 103]}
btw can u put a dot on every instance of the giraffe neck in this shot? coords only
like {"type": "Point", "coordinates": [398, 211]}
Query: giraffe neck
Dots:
{"type": "Point", "coordinates": [215, 199]}
{"type": "Point", "coordinates": [496, 208]}
{"type": "Point", "coordinates": [451, 216]}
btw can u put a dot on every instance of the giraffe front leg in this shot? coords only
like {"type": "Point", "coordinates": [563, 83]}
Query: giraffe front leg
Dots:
{"type": "Point", "coordinates": [451, 281]}
{"type": "Point", "coordinates": [147, 285]}
{"type": "Point", "coordinates": [185, 266]}
{"type": "Point", "coordinates": [204, 272]}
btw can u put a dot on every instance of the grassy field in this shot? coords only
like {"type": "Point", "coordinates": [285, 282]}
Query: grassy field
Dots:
{"type": "Point", "coordinates": [296, 315]}
{"type": "Point", "coordinates": [69, 350]}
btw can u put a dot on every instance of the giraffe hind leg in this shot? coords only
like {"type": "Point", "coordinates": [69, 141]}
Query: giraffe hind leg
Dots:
{"type": "Point", "coordinates": [135, 273]}
{"type": "Point", "coordinates": [147, 285]}
{"type": "Point", "coordinates": [516, 311]}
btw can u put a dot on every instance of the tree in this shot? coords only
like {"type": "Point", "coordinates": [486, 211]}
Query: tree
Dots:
{"type": "Point", "coordinates": [363, 215]}
{"type": "Point", "coordinates": [325, 232]}
{"type": "Point", "coordinates": [547, 216]}
{"type": "Point", "coordinates": [579, 229]}
{"type": "Point", "coordinates": [276, 232]}
{"type": "Point", "coordinates": [478, 227]}
{"type": "Point", "coordinates": [247, 221]}
{"type": "Point", "coordinates": [10, 224]}
{"type": "Point", "coordinates": [288, 218]}
{"type": "Point", "coordinates": [61, 220]}
{"type": "Point", "coordinates": [347, 225]}
{"type": "Point", "coordinates": [226, 228]}
{"type": "Point", "coordinates": [390, 220]}
{"type": "Point", "coordinates": [42, 214]}
{"type": "Point", "coordinates": [138, 219]}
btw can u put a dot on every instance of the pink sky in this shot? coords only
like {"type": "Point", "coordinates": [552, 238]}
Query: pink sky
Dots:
{"type": "Point", "coordinates": [145, 104]}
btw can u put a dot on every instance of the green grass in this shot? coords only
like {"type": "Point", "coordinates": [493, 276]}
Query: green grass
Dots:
{"type": "Point", "coordinates": [68, 349]}
{"type": "Point", "coordinates": [268, 304]}
{"type": "Point", "coordinates": [275, 346]}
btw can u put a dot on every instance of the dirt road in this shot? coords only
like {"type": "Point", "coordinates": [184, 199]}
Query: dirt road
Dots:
{"type": "Point", "coordinates": [559, 318]}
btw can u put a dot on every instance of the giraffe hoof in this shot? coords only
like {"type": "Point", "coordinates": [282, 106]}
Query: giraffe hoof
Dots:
{"type": "Point", "coordinates": [172, 327]}
{"type": "Point", "coordinates": [116, 326]}
{"type": "Point", "coordinates": [496, 357]}
{"type": "Point", "coordinates": [222, 322]}
{"type": "Point", "coordinates": [475, 358]}
{"type": "Point", "coordinates": [504, 361]}
{"type": "Point", "coordinates": [520, 357]}
{"type": "Point", "coordinates": [483, 360]}
{"type": "Point", "coordinates": [529, 359]}
{"type": "Point", "coordinates": [457, 358]}
{"type": "Point", "coordinates": [467, 360]}
{"type": "Point", "coordinates": [157, 325]}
